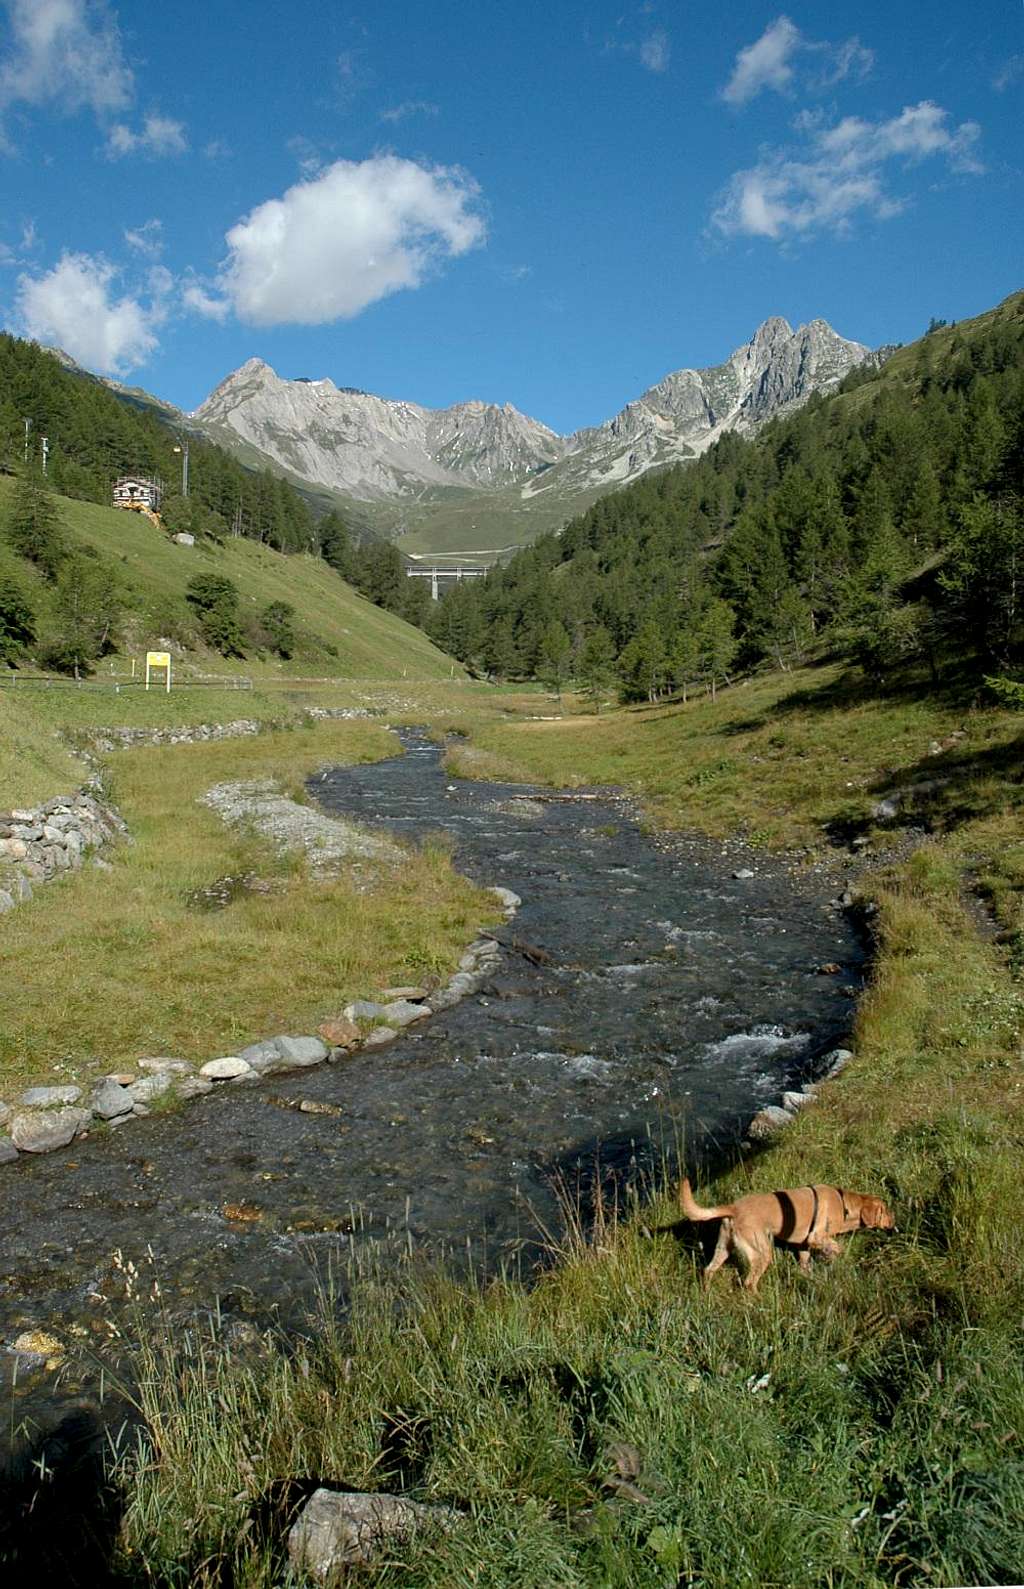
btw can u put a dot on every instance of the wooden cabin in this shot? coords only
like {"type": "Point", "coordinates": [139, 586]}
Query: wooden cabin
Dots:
{"type": "Point", "coordinates": [137, 493]}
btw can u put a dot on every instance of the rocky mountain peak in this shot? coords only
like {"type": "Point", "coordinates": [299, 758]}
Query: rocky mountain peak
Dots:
{"type": "Point", "coordinates": [381, 449]}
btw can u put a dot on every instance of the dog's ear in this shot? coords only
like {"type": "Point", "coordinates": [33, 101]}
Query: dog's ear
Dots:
{"type": "Point", "coordinates": [873, 1212]}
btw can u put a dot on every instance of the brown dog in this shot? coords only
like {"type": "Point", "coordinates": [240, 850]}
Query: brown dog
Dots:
{"type": "Point", "coordinates": [807, 1217]}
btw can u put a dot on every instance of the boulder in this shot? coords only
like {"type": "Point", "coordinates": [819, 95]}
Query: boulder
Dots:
{"type": "Point", "coordinates": [177, 1067]}
{"type": "Point", "coordinates": [506, 897]}
{"type": "Point", "coordinates": [796, 1100]}
{"type": "Point", "coordinates": [743, 875]}
{"type": "Point", "coordinates": [302, 1050]}
{"type": "Point", "coordinates": [225, 1069]}
{"type": "Point", "coordinates": [8, 1152]}
{"type": "Point", "coordinates": [417, 995]}
{"type": "Point", "coordinates": [6, 901]}
{"type": "Point", "coordinates": [262, 1056]}
{"type": "Point", "coordinates": [49, 1097]}
{"type": "Point", "coordinates": [43, 1130]}
{"type": "Point", "coordinates": [110, 1100]}
{"type": "Point", "coordinates": [380, 1037]}
{"type": "Point", "coordinates": [403, 1012]}
{"type": "Point", "coordinates": [334, 1531]}
{"type": "Point", "coordinates": [442, 999]}
{"type": "Point", "coordinates": [836, 1061]}
{"type": "Point", "coordinates": [150, 1087]}
{"type": "Point", "coordinates": [339, 1033]}
{"type": "Point", "coordinates": [768, 1123]}
{"type": "Point", "coordinates": [193, 1087]}
{"type": "Point", "coordinates": [363, 1010]}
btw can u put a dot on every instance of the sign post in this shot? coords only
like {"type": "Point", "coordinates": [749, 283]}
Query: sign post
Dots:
{"type": "Point", "coordinates": [159, 659]}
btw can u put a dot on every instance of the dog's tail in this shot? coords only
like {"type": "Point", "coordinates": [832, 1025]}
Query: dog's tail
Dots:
{"type": "Point", "coordinates": [693, 1210]}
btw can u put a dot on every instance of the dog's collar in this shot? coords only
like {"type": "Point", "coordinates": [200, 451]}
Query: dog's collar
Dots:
{"type": "Point", "coordinates": [814, 1212]}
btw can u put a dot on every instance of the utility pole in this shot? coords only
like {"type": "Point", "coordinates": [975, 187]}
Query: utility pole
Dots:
{"type": "Point", "coordinates": [28, 427]}
{"type": "Point", "coordinates": [183, 449]}
{"type": "Point", "coordinates": [46, 452]}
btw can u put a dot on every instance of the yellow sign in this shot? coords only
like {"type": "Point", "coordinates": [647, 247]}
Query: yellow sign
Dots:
{"type": "Point", "coordinates": [159, 659]}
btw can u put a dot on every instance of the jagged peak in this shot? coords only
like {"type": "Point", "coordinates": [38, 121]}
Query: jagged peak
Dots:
{"type": "Point", "coordinates": [772, 330]}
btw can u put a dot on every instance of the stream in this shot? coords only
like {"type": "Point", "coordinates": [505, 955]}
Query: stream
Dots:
{"type": "Point", "coordinates": [645, 1001]}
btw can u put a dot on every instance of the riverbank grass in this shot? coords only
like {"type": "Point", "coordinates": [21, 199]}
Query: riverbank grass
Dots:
{"type": "Point", "coordinates": [611, 1424]}
{"type": "Point", "coordinates": [106, 966]}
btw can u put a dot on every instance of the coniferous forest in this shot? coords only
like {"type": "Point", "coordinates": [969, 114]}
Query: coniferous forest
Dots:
{"type": "Point", "coordinates": [885, 523]}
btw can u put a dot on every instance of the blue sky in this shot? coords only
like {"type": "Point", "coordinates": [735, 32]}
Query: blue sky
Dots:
{"type": "Point", "coordinates": [546, 204]}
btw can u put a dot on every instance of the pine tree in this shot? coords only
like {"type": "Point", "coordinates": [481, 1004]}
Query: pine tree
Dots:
{"type": "Point", "coordinates": [17, 620]}
{"type": "Point", "coordinates": [595, 668]}
{"type": "Point", "coordinates": [554, 657]}
{"type": "Point", "coordinates": [718, 646]}
{"type": "Point", "coordinates": [336, 544]}
{"type": "Point", "coordinates": [89, 602]}
{"type": "Point", "coordinates": [642, 665]}
{"type": "Point", "coordinates": [33, 526]}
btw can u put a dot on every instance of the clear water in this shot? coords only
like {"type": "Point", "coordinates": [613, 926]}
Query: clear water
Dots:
{"type": "Point", "coordinates": [670, 1004]}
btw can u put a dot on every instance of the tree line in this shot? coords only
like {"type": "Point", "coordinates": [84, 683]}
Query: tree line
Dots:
{"type": "Point", "coordinates": [884, 522]}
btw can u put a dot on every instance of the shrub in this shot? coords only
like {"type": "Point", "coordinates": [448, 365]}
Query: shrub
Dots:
{"type": "Point", "coordinates": [17, 620]}
{"type": "Point", "coordinates": [276, 620]}
{"type": "Point", "coordinates": [215, 599]}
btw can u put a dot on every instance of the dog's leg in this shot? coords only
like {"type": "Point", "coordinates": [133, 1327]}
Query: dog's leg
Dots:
{"type": "Point", "coordinates": [721, 1251]}
{"type": "Point", "coordinates": [804, 1256]}
{"type": "Point", "coordinates": [825, 1246]}
{"type": "Point", "coordinates": [756, 1252]}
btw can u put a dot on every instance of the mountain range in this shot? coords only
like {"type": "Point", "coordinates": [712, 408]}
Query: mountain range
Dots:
{"type": "Point", "coordinates": [479, 477]}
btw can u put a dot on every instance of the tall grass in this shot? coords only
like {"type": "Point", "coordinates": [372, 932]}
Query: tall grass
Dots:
{"type": "Point", "coordinates": [860, 1426]}
{"type": "Point", "coordinates": [608, 1423]}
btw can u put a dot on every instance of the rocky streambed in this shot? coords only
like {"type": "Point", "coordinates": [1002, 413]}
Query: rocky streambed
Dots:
{"type": "Point", "coordinates": [646, 998]}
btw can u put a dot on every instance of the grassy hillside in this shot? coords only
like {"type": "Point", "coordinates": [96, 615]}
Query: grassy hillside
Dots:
{"type": "Point", "coordinates": [339, 633]}
{"type": "Point", "coordinates": [35, 764]}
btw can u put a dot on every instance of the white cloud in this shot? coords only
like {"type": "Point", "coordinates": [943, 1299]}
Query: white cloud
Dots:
{"type": "Point", "coordinates": [770, 63]}
{"type": "Point", "coordinates": [67, 52]}
{"type": "Point", "coordinates": [195, 296]}
{"type": "Point", "coordinates": [160, 136]}
{"type": "Point", "coordinates": [764, 64]}
{"type": "Point", "coordinates": [356, 233]}
{"type": "Point", "coordinates": [147, 239]}
{"type": "Point", "coordinates": [843, 172]}
{"type": "Point", "coordinates": [73, 307]}
{"type": "Point", "coordinates": [1011, 71]}
{"type": "Point", "coordinates": [410, 107]}
{"type": "Point", "coordinates": [655, 51]}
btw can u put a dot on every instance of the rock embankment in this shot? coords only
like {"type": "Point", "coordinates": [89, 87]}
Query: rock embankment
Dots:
{"type": "Point", "coordinates": [108, 739]}
{"type": "Point", "coordinates": [329, 842]}
{"type": "Point", "coordinates": [45, 841]}
{"type": "Point", "coordinates": [43, 1119]}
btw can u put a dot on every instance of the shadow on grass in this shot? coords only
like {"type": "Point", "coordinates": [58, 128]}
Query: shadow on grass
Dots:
{"type": "Point", "coordinates": [59, 1514]}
